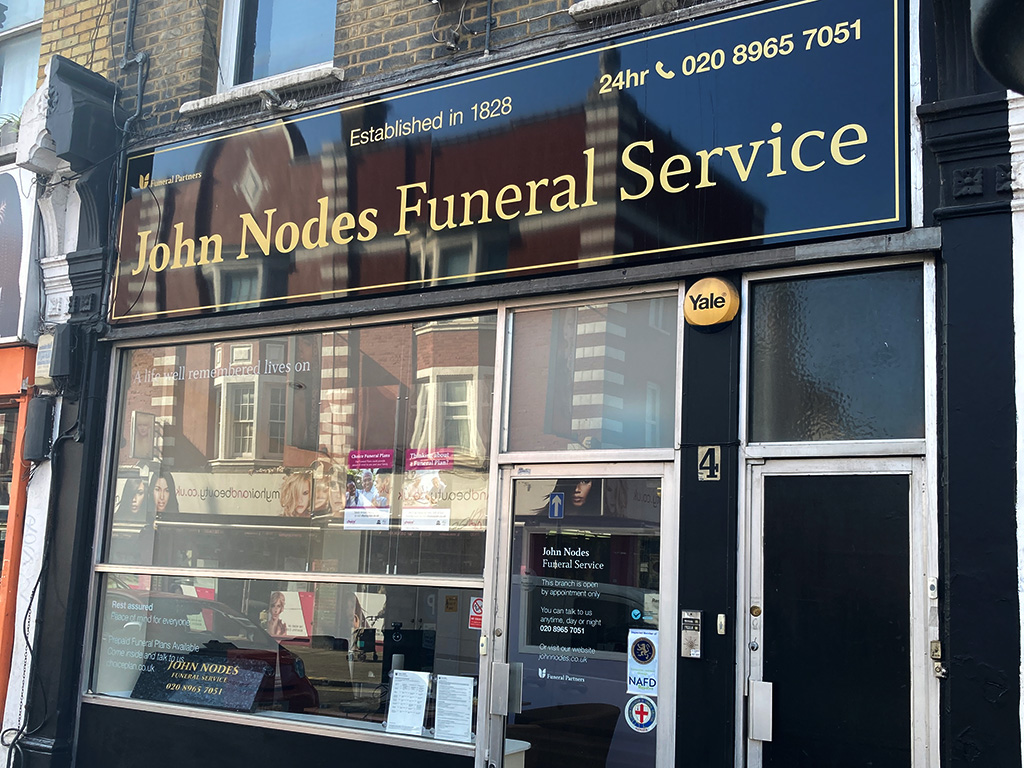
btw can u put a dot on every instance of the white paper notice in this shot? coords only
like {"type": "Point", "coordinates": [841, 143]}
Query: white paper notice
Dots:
{"type": "Point", "coordinates": [454, 718]}
{"type": "Point", "coordinates": [642, 664]}
{"type": "Point", "coordinates": [426, 519]}
{"type": "Point", "coordinates": [367, 518]}
{"type": "Point", "coordinates": [408, 702]}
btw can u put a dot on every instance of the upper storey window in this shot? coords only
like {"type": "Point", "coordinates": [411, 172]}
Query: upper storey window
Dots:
{"type": "Point", "coordinates": [20, 37]}
{"type": "Point", "coordinates": [269, 37]}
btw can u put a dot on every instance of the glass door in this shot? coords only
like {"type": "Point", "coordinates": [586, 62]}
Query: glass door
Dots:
{"type": "Point", "coordinates": [586, 647]}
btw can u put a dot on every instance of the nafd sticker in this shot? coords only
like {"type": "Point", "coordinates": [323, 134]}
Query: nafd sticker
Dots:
{"type": "Point", "coordinates": [642, 665]}
{"type": "Point", "coordinates": [641, 713]}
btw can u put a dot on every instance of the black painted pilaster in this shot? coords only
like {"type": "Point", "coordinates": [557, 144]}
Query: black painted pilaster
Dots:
{"type": "Point", "coordinates": [980, 628]}
{"type": "Point", "coordinates": [705, 694]}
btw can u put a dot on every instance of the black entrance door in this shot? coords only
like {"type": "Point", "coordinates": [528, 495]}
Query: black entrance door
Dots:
{"type": "Point", "coordinates": [836, 620]}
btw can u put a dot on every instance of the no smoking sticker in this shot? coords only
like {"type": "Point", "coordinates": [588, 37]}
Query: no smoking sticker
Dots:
{"type": "Point", "coordinates": [476, 613]}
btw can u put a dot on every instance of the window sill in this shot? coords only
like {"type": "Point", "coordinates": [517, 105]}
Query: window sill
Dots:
{"type": "Point", "coordinates": [258, 89]}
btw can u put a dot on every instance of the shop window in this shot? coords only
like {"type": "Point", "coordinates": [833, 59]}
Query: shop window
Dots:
{"type": "Point", "coordinates": [591, 377]}
{"type": "Point", "coordinates": [386, 430]}
{"type": "Point", "coordinates": [20, 38]}
{"type": "Point", "coordinates": [357, 453]}
{"type": "Point", "coordinates": [8, 425]}
{"type": "Point", "coordinates": [837, 357]}
{"type": "Point", "coordinates": [262, 38]}
{"type": "Point", "coordinates": [323, 652]}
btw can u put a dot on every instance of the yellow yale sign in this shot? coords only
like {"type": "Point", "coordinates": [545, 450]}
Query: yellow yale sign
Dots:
{"type": "Point", "coordinates": [711, 301]}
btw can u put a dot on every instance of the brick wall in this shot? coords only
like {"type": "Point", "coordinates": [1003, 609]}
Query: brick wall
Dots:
{"type": "Point", "coordinates": [78, 30]}
{"type": "Point", "coordinates": [384, 37]}
{"type": "Point", "coordinates": [181, 39]}
{"type": "Point", "coordinates": [374, 39]}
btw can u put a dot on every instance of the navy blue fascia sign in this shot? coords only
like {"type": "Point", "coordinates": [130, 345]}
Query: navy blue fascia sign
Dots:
{"type": "Point", "coordinates": [776, 123]}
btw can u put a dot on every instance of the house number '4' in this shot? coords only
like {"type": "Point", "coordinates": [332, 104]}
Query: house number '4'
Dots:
{"type": "Point", "coordinates": [709, 462]}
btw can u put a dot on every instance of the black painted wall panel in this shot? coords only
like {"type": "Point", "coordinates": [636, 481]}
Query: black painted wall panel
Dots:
{"type": "Point", "coordinates": [707, 550]}
{"type": "Point", "coordinates": [112, 737]}
{"type": "Point", "coordinates": [980, 698]}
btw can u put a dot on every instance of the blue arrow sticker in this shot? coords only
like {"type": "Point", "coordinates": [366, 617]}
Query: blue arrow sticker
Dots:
{"type": "Point", "coordinates": [556, 506]}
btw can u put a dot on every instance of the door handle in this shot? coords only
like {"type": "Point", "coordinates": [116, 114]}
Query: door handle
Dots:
{"type": "Point", "coordinates": [500, 673]}
{"type": "Point", "coordinates": [759, 710]}
{"type": "Point", "coordinates": [506, 688]}
{"type": "Point", "coordinates": [515, 688]}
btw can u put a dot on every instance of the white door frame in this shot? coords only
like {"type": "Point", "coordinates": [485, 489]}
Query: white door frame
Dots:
{"type": "Point", "coordinates": [496, 593]}
{"type": "Point", "coordinates": [924, 685]}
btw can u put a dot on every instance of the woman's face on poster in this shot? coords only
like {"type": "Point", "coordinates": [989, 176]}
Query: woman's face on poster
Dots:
{"type": "Point", "coordinates": [337, 493]}
{"type": "Point", "coordinates": [581, 492]}
{"type": "Point", "coordinates": [302, 499]}
{"type": "Point", "coordinates": [161, 494]}
{"type": "Point", "coordinates": [138, 497]}
{"type": "Point", "coordinates": [322, 495]}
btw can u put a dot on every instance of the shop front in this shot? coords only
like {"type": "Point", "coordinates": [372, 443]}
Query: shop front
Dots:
{"type": "Point", "coordinates": [536, 418]}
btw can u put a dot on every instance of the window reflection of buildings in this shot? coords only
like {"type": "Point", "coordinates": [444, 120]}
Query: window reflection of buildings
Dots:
{"type": "Point", "coordinates": [453, 387]}
{"type": "Point", "coordinates": [8, 423]}
{"type": "Point", "coordinates": [592, 376]}
{"type": "Point", "coordinates": [250, 410]}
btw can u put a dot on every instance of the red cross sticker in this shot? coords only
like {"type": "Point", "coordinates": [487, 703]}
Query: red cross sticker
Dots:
{"type": "Point", "coordinates": [641, 712]}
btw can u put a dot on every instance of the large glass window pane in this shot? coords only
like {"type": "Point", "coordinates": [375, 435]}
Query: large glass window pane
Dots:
{"type": "Point", "coordinates": [329, 652]}
{"type": "Point", "coordinates": [360, 451]}
{"type": "Point", "coordinates": [838, 357]}
{"type": "Point", "coordinates": [281, 35]}
{"type": "Point", "coordinates": [593, 376]}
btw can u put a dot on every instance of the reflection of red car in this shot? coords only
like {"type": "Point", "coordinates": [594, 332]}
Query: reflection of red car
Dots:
{"type": "Point", "coordinates": [195, 629]}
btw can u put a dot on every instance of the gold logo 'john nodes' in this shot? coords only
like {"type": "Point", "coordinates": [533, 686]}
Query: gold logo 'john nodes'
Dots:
{"type": "Point", "coordinates": [143, 180]}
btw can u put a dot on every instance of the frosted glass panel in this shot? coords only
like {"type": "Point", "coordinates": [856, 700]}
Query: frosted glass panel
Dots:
{"type": "Point", "coordinates": [838, 357]}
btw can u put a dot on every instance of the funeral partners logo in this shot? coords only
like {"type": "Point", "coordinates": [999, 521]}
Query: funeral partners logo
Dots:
{"type": "Point", "coordinates": [543, 675]}
{"type": "Point", "coordinates": [146, 181]}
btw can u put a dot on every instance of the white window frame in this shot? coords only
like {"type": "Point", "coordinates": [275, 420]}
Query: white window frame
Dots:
{"type": "Point", "coordinates": [236, 391]}
{"type": "Point", "coordinates": [231, 20]}
{"type": "Point", "coordinates": [224, 452]}
{"type": "Point", "coordinates": [12, 35]}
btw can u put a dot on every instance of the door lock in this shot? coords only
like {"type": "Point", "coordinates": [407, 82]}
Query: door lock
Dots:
{"type": "Point", "coordinates": [755, 610]}
{"type": "Point", "coordinates": [753, 645]}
